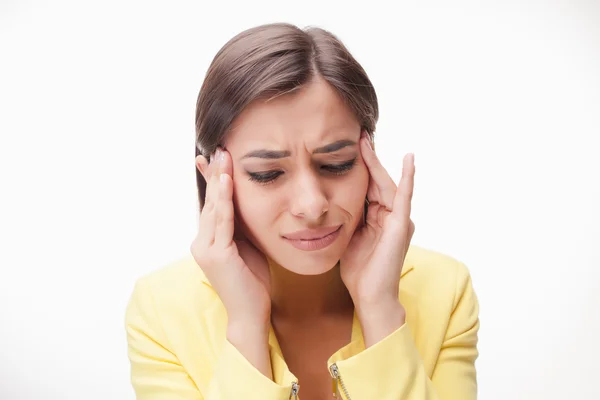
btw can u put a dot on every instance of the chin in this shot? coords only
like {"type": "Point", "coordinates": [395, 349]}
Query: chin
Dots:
{"type": "Point", "coordinates": [310, 262]}
{"type": "Point", "coordinates": [303, 264]}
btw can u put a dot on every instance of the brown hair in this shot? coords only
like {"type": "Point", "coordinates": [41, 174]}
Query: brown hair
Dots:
{"type": "Point", "coordinates": [270, 60]}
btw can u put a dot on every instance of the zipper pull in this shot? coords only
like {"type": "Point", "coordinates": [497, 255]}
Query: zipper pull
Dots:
{"type": "Point", "coordinates": [334, 387]}
{"type": "Point", "coordinates": [295, 390]}
{"type": "Point", "coordinates": [334, 380]}
{"type": "Point", "coordinates": [334, 371]}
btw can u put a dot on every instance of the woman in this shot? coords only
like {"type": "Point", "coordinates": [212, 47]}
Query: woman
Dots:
{"type": "Point", "coordinates": [301, 274]}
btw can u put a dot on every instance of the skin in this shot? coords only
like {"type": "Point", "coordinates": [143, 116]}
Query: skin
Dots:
{"type": "Point", "coordinates": [259, 276]}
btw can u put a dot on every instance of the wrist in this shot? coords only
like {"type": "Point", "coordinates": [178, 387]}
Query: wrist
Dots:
{"type": "Point", "coordinates": [383, 308]}
{"type": "Point", "coordinates": [251, 339]}
{"type": "Point", "coordinates": [245, 327]}
{"type": "Point", "coordinates": [379, 320]}
{"type": "Point", "coordinates": [377, 303]}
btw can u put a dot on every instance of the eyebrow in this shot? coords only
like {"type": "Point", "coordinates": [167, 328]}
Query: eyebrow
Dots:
{"type": "Point", "coordinates": [276, 154]}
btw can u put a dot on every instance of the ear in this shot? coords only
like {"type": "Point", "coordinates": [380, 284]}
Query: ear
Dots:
{"type": "Point", "coordinates": [202, 165]}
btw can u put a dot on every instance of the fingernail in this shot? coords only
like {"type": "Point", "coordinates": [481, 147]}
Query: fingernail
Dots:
{"type": "Point", "coordinates": [222, 178]}
{"type": "Point", "coordinates": [220, 156]}
{"type": "Point", "coordinates": [216, 157]}
{"type": "Point", "coordinates": [368, 140]}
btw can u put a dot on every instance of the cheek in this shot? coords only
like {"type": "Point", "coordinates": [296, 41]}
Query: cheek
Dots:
{"type": "Point", "coordinates": [253, 213]}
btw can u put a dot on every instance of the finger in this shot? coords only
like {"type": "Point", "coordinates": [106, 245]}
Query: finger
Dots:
{"type": "Point", "coordinates": [208, 216]}
{"type": "Point", "coordinates": [212, 184]}
{"type": "Point", "coordinates": [206, 231]}
{"type": "Point", "coordinates": [226, 163]}
{"type": "Point", "coordinates": [376, 215]}
{"type": "Point", "coordinates": [224, 223]}
{"type": "Point", "coordinates": [212, 189]}
{"type": "Point", "coordinates": [380, 178]}
{"type": "Point", "coordinates": [404, 194]}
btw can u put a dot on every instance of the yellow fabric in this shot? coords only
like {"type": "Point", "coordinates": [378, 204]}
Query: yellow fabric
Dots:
{"type": "Point", "coordinates": [177, 346]}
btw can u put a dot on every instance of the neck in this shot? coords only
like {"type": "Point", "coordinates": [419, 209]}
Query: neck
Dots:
{"type": "Point", "coordinates": [307, 296]}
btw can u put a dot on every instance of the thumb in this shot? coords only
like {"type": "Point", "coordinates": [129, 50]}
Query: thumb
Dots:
{"type": "Point", "coordinates": [255, 260]}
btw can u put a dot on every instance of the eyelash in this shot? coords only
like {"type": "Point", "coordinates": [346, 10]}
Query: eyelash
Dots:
{"type": "Point", "coordinates": [268, 177]}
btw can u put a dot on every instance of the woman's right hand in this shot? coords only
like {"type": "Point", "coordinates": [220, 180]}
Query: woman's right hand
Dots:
{"type": "Point", "coordinates": [236, 269]}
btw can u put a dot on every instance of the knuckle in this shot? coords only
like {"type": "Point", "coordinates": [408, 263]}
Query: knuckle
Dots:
{"type": "Point", "coordinates": [199, 256]}
{"type": "Point", "coordinates": [222, 258]}
{"type": "Point", "coordinates": [209, 206]}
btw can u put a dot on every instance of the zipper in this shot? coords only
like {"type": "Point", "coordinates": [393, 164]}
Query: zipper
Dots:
{"type": "Point", "coordinates": [295, 390]}
{"type": "Point", "coordinates": [337, 381]}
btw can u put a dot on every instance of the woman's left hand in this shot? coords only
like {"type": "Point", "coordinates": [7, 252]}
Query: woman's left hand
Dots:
{"type": "Point", "coordinates": [372, 263]}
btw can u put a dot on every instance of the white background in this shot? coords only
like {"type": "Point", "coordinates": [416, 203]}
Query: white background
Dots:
{"type": "Point", "coordinates": [499, 100]}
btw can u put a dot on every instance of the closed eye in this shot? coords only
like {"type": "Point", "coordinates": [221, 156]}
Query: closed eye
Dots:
{"type": "Point", "coordinates": [270, 176]}
{"type": "Point", "coordinates": [264, 177]}
{"type": "Point", "coordinates": [339, 169]}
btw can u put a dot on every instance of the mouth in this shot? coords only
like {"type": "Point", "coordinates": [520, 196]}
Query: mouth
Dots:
{"type": "Point", "coordinates": [313, 239]}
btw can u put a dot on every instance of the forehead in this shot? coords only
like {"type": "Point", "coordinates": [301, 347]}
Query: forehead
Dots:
{"type": "Point", "coordinates": [311, 114]}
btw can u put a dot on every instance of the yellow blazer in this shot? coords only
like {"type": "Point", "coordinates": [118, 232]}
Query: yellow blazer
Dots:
{"type": "Point", "coordinates": [176, 332]}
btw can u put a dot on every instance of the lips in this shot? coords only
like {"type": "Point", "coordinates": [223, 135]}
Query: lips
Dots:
{"type": "Point", "coordinates": [311, 234]}
{"type": "Point", "coordinates": [313, 239]}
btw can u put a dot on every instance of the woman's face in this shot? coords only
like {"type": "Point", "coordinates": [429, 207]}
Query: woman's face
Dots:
{"type": "Point", "coordinates": [297, 175]}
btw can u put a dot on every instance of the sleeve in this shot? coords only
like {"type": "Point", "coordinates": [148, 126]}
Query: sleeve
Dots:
{"type": "Point", "coordinates": [393, 369]}
{"type": "Point", "coordinates": [156, 372]}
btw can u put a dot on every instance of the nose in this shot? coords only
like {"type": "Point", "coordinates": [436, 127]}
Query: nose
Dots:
{"type": "Point", "coordinates": [308, 199]}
